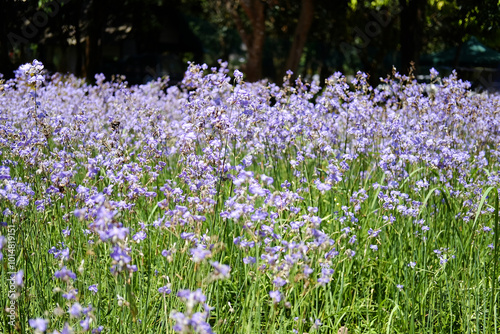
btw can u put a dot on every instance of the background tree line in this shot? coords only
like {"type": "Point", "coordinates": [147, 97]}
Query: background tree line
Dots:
{"type": "Point", "coordinates": [264, 38]}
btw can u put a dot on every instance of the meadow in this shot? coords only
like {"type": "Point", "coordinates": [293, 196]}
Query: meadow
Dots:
{"type": "Point", "coordinates": [221, 206]}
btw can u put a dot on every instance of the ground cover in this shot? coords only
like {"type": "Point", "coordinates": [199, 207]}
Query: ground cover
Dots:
{"type": "Point", "coordinates": [223, 206]}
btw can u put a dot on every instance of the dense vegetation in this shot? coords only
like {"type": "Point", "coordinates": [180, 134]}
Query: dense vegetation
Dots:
{"type": "Point", "coordinates": [225, 206]}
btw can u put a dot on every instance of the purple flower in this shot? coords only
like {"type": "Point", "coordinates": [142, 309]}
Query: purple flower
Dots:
{"type": "Point", "coordinates": [199, 254]}
{"type": "Point", "coordinates": [221, 270]}
{"type": "Point", "coordinates": [139, 236]}
{"type": "Point", "coordinates": [93, 288]}
{"type": "Point", "coordinates": [249, 260]}
{"type": "Point", "coordinates": [373, 233]}
{"type": "Point", "coordinates": [85, 323]}
{"type": "Point", "coordinates": [307, 270]}
{"type": "Point", "coordinates": [279, 282]}
{"type": "Point", "coordinates": [120, 255]}
{"type": "Point", "coordinates": [434, 73]}
{"type": "Point", "coordinates": [33, 72]}
{"type": "Point", "coordinates": [197, 295]}
{"type": "Point", "coordinates": [75, 310]}
{"type": "Point", "coordinates": [322, 186]}
{"type": "Point", "coordinates": [66, 232]}
{"type": "Point", "coordinates": [259, 215]}
{"type": "Point", "coordinates": [97, 330]}
{"type": "Point", "coordinates": [66, 329]}
{"type": "Point", "coordinates": [374, 247]}
{"type": "Point", "coordinates": [22, 202]}
{"type": "Point", "coordinates": [275, 296]}
{"type": "Point", "coordinates": [400, 286]}
{"type": "Point", "coordinates": [3, 242]}
{"type": "Point", "coordinates": [4, 173]}
{"type": "Point", "coordinates": [39, 324]}
{"type": "Point", "coordinates": [165, 290]}
{"type": "Point", "coordinates": [266, 179]}
{"type": "Point", "coordinates": [65, 274]}
{"type": "Point", "coordinates": [166, 253]}
{"type": "Point", "coordinates": [17, 278]}
{"type": "Point", "coordinates": [70, 295]}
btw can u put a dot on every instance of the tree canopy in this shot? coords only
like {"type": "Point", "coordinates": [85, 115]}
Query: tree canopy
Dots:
{"type": "Point", "coordinates": [264, 38]}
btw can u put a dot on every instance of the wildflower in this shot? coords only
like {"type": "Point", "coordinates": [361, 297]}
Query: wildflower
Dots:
{"type": "Point", "coordinates": [39, 324]}
{"type": "Point", "coordinates": [279, 282]}
{"type": "Point", "coordinates": [71, 294]}
{"type": "Point", "coordinates": [434, 73]}
{"type": "Point", "coordinates": [317, 324]}
{"type": "Point", "coordinates": [139, 236]}
{"type": "Point", "coordinates": [66, 232]}
{"type": "Point", "coordinates": [221, 270]}
{"type": "Point", "coordinates": [199, 254]}
{"type": "Point", "coordinates": [4, 173]}
{"type": "Point", "coordinates": [165, 290]}
{"type": "Point", "coordinates": [75, 310]}
{"type": "Point", "coordinates": [275, 296]}
{"type": "Point", "coordinates": [97, 330]}
{"type": "Point", "coordinates": [17, 278]}
{"type": "Point", "coordinates": [33, 71]}
{"type": "Point", "coordinates": [85, 323]}
{"type": "Point", "coordinates": [65, 274]}
{"type": "Point", "coordinates": [93, 288]}
{"type": "Point", "coordinates": [3, 242]}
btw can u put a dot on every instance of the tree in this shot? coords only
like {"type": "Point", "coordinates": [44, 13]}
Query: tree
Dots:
{"type": "Point", "coordinates": [300, 37]}
{"type": "Point", "coordinates": [252, 37]}
{"type": "Point", "coordinates": [411, 31]}
{"type": "Point", "coordinates": [251, 18]}
{"type": "Point", "coordinates": [460, 19]}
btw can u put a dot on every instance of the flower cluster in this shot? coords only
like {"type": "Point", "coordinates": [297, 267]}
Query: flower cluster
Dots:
{"type": "Point", "coordinates": [216, 179]}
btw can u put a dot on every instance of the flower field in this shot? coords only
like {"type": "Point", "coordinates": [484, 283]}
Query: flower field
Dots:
{"type": "Point", "coordinates": [220, 206]}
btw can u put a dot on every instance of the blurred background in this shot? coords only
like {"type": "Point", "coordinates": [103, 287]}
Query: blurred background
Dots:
{"type": "Point", "coordinates": [145, 39]}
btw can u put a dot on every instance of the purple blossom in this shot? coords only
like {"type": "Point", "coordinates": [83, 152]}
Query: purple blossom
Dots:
{"type": "Point", "coordinates": [275, 296]}
{"type": "Point", "coordinates": [139, 236]}
{"type": "Point", "coordinates": [71, 294]}
{"type": "Point", "coordinates": [279, 282]}
{"type": "Point", "coordinates": [66, 232]}
{"type": "Point", "coordinates": [199, 254]}
{"type": "Point", "coordinates": [220, 270]}
{"type": "Point", "coordinates": [93, 288]}
{"type": "Point", "coordinates": [39, 324]}
{"type": "Point", "coordinates": [165, 290]}
{"type": "Point", "coordinates": [65, 274]}
{"type": "Point", "coordinates": [75, 310]}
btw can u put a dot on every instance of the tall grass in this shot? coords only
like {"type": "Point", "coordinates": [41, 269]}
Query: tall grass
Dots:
{"type": "Point", "coordinates": [430, 272]}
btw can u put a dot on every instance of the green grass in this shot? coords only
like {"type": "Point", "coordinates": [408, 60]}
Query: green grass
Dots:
{"type": "Point", "coordinates": [459, 296]}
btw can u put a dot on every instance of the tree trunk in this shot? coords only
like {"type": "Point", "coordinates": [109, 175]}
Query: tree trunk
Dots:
{"type": "Point", "coordinates": [94, 29]}
{"type": "Point", "coordinates": [411, 31]}
{"type": "Point", "coordinates": [300, 37]}
{"type": "Point", "coordinates": [254, 40]}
